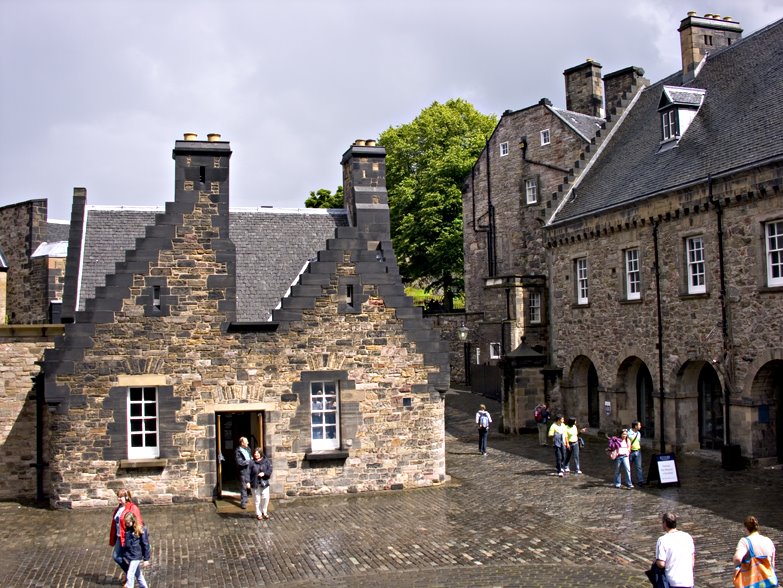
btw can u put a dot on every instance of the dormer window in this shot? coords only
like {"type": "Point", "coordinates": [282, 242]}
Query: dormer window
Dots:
{"type": "Point", "coordinates": [678, 108]}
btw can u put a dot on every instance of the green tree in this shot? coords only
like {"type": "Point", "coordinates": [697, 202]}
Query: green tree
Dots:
{"type": "Point", "coordinates": [427, 160]}
{"type": "Point", "coordinates": [323, 198]}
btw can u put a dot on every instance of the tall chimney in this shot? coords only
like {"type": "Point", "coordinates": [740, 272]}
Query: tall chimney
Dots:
{"type": "Point", "coordinates": [617, 83]}
{"type": "Point", "coordinates": [364, 189]}
{"type": "Point", "coordinates": [584, 92]}
{"type": "Point", "coordinates": [699, 35]}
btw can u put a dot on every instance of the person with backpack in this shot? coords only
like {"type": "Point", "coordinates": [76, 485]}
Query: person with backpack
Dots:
{"type": "Point", "coordinates": [541, 416]}
{"type": "Point", "coordinates": [635, 437]}
{"type": "Point", "coordinates": [619, 449]}
{"type": "Point", "coordinates": [483, 421]}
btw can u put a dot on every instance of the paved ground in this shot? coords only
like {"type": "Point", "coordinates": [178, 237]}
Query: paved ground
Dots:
{"type": "Point", "coordinates": [504, 520]}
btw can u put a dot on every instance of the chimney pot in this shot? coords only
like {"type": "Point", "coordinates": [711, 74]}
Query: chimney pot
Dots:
{"type": "Point", "coordinates": [191, 136]}
{"type": "Point", "coordinates": [359, 142]}
{"type": "Point", "coordinates": [213, 137]}
{"type": "Point", "coordinates": [691, 13]}
{"type": "Point", "coordinates": [370, 142]}
{"type": "Point", "coordinates": [727, 18]}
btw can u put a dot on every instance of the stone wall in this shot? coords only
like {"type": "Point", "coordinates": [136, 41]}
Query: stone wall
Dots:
{"type": "Point", "coordinates": [21, 348]}
{"type": "Point", "coordinates": [617, 335]}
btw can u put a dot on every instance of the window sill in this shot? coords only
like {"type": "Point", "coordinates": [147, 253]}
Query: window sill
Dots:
{"type": "Point", "coordinates": [771, 289]}
{"type": "Point", "coordinates": [631, 301]}
{"type": "Point", "coordinates": [136, 464]}
{"type": "Point", "coordinates": [331, 455]}
{"type": "Point", "coordinates": [578, 305]}
{"type": "Point", "coordinates": [686, 296]}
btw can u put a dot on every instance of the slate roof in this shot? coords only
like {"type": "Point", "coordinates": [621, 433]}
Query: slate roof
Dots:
{"type": "Point", "coordinates": [584, 124]}
{"type": "Point", "coordinates": [57, 231]}
{"type": "Point", "coordinates": [740, 123]}
{"type": "Point", "coordinates": [272, 246]}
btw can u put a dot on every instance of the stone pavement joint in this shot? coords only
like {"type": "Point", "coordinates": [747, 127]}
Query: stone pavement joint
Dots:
{"type": "Point", "coordinates": [503, 520]}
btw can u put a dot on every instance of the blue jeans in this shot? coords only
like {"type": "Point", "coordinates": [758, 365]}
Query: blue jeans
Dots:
{"type": "Point", "coordinates": [560, 458]}
{"type": "Point", "coordinates": [636, 462]}
{"type": "Point", "coordinates": [483, 434]}
{"type": "Point", "coordinates": [134, 574]}
{"type": "Point", "coordinates": [116, 555]}
{"type": "Point", "coordinates": [621, 463]}
{"type": "Point", "coordinates": [573, 454]}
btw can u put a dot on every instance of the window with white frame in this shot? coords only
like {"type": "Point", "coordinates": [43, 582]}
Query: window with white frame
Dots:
{"type": "Point", "coordinates": [534, 307]}
{"type": "Point", "coordinates": [669, 124]}
{"type": "Point", "coordinates": [774, 240]}
{"type": "Point", "coordinates": [696, 267]}
{"type": "Point", "coordinates": [494, 350]}
{"type": "Point", "coordinates": [545, 137]}
{"type": "Point", "coordinates": [324, 415]}
{"type": "Point", "coordinates": [143, 438]}
{"type": "Point", "coordinates": [633, 278]}
{"type": "Point", "coordinates": [581, 280]}
{"type": "Point", "coordinates": [504, 149]}
{"type": "Point", "coordinates": [531, 191]}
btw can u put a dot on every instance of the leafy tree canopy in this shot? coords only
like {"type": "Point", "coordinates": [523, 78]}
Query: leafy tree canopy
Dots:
{"type": "Point", "coordinates": [427, 160]}
{"type": "Point", "coordinates": [323, 198]}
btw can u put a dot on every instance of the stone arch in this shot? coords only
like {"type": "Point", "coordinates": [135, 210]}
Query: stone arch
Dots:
{"type": "Point", "coordinates": [763, 419]}
{"type": "Point", "coordinates": [696, 419]}
{"type": "Point", "coordinates": [581, 392]}
{"type": "Point", "coordinates": [635, 394]}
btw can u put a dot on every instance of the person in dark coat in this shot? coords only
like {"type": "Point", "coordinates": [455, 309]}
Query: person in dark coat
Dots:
{"type": "Point", "coordinates": [242, 458]}
{"type": "Point", "coordinates": [136, 550]}
{"type": "Point", "coordinates": [260, 473]}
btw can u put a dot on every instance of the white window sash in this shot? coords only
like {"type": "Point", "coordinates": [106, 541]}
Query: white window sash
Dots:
{"type": "Point", "coordinates": [534, 303]}
{"type": "Point", "coordinates": [632, 275]}
{"type": "Point", "coordinates": [581, 281]}
{"type": "Point", "coordinates": [324, 415]}
{"type": "Point", "coordinates": [504, 149]}
{"type": "Point", "coordinates": [531, 191]}
{"type": "Point", "coordinates": [696, 266]}
{"type": "Point", "coordinates": [774, 246]}
{"type": "Point", "coordinates": [142, 425]}
{"type": "Point", "coordinates": [545, 137]}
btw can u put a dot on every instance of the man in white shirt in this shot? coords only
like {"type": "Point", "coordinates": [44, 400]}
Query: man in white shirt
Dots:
{"type": "Point", "coordinates": [675, 553]}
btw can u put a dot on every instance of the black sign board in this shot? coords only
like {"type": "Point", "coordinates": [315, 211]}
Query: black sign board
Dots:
{"type": "Point", "coordinates": [663, 470]}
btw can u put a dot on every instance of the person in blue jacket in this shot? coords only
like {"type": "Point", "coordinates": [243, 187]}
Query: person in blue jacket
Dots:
{"type": "Point", "coordinates": [136, 551]}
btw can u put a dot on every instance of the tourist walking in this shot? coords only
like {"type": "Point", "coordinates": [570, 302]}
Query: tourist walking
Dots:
{"type": "Point", "coordinates": [557, 432]}
{"type": "Point", "coordinates": [483, 420]}
{"type": "Point", "coordinates": [136, 551]}
{"type": "Point", "coordinates": [574, 444]}
{"type": "Point", "coordinates": [620, 457]}
{"type": "Point", "coordinates": [635, 458]}
{"type": "Point", "coordinates": [754, 557]}
{"type": "Point", "coordinates": [117, 531]}
{"type": "Point", "coordinates": [260, 473]}
{"type": "Point", "coordinates": [541, 416]}
{"type": "Point", "coordinates": [675, 553]}
{"type": "Point", "coordinates": [243, 459]}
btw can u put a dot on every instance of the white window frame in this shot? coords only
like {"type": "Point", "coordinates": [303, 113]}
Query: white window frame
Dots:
{"type": "Point", "coordinates": [495, 350]}
{"type": "Point", "coordinates": [531, 190]}
{"type": "Point", "coordinates": [773, 244]}
{"type": "Point", "coordinates": [669, 124]}
{"type": "Point", "coordinates": [545, 137]}
{"type": "Point", "coordinates": [696, 266]}
{"type": "Point", "coordinates": [143, 410]}
{"type": "Point", "coordinates": [534, 307]}
{"type": "Point", "coordinates": [504, 149]}
{"type": "Point", "coordinates": [324, 415]}
{"type": "Point", "coordinates": [580, 271]}
{"type": "Point", "coordinates": [633, 275]}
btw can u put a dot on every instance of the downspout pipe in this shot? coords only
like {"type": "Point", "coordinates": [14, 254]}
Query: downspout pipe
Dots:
{"type": "Point", "coordinates": [728, 357]}
{"type": "Point", "coordinates": [659, 343]}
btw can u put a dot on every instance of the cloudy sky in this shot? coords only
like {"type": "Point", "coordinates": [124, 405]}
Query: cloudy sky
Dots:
{"type": "Point", "coordinates": [95, 92]}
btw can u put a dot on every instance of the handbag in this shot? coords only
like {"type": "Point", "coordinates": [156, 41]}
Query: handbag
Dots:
{"type": "Point", "coordinates": [755, 571]}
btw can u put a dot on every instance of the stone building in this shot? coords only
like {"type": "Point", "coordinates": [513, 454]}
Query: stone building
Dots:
{"type": "Point", "coordinates": [191, 325]}
{"type": "Point", "coordinates": [658, 256]}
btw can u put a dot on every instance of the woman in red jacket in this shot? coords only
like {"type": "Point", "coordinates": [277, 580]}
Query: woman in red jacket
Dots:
{"type": "Point", "coordinates": [117, 530]}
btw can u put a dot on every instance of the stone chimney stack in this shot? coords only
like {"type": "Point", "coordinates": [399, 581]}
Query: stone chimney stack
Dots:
{"type": "Point", "coordinates": [364, 188]}
{"type": "Point", "coordinates": [699, 35]}
{"type": "Point", "coordinates": [584, 91]}
{"type": "Point", "coordinates": [202, 166]}
{"type": "Point", "coordinates": [621, 81]}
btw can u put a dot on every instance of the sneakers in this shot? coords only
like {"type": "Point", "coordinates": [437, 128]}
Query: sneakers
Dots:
{"type": "Point", "coordinates": [560, 474]}
{"type": "Point", "coordinates": [617, 486]}
{"type": "Point", "coordinates": [567, 469]}
{"type": "Point", "coordinates": [630, 486]}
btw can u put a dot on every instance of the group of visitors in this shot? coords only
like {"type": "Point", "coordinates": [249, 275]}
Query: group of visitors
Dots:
{"type": "Point", "coordinates": [626, 451]}
{"type": "Point", "coordinates": [130, 540]}
{"type": "Point", "coordinates": [254, 471]}
{"type": "Point", "coordinates": [566, 441]}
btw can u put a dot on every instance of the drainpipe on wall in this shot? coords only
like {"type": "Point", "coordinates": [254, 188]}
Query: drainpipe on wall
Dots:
{"type": "Point", "coordinates": [660, 330]}
{"type": "Point", "coordinates": [728, 352]}
{"type": "Point", "coordinates": [40, 464]}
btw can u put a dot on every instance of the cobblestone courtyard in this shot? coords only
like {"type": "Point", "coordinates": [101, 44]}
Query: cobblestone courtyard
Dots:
{"type": "Point", "coordinates": [502, 520]}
